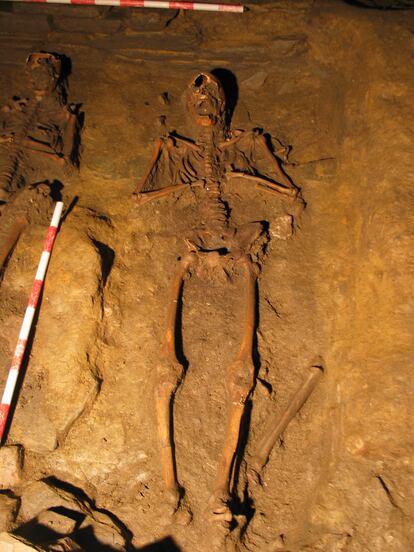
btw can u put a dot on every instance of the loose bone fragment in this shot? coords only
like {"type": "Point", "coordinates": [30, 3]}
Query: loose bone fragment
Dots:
{"type": "Point", "coordinates": [276, 425]}
{"type": "Point", "coordinates": [217, 248]}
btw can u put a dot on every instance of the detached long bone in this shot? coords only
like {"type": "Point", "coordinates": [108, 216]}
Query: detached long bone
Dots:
{"type": "Point", "coordinates": [276, 425]}
{"type": "Point", "coordinates": [12, 378]}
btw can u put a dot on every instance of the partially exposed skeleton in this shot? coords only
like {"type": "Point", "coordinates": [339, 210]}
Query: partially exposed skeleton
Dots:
{"type": "Point", "coordinates": [214, 246]}
{"type": "Point", "coordinates": [39, 137]}
{"type": "Point", "coordinates": [37, 129]}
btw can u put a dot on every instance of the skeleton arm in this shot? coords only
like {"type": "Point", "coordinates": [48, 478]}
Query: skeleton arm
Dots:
{"type": "Point", "coordinates": [156, 152]}
{"type": "Point", "coordinates": [54, 139]}
{"type": "Point", "coordinates": [36, 146]}
{"type": "Point", "coordinates": [252, 141]}
{"type": "Point", "coordinates": [70, 134]}
{"type": "Point", "coordinates": [267, 185]}
{"type": "Point", "coordinates": [162, 155]}
{"type": "Point", "coordinates": [274, 163]}
{"type": "Point", "coordinates": [11, 116]}
{"type": "Point", "coordinates": [144, 197]}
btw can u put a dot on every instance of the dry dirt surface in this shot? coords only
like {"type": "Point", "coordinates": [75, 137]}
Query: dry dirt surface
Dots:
{"type": "Point", "coordinates": [328, 79]}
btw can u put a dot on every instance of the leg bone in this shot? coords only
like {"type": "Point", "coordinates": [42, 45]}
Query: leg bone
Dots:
{"type": "Point", "coordinates": [7, 246]}
{"type": "Point", "coordinates": [170, 374]}
{"type": "Point", "coordinates": [240, 382]}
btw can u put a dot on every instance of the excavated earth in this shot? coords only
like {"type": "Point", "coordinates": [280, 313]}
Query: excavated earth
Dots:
{"type": "Point", "coordinates": [328, 79]}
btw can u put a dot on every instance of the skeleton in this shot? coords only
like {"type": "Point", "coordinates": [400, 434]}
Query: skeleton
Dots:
{"type": "Point", "coordinates": [37, 129]}
{"type": "Point", "coordinates": [215, 246]}
{"type": "Point", "coordinates": [39, 138]}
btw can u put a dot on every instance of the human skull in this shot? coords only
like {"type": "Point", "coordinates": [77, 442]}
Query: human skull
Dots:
{"type": "Point", "coordinates": [206, 101]}
{"type": "Point", "coordinates": [44, 71]}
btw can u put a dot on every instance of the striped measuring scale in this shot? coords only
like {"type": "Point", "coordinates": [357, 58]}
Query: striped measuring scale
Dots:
{"type": "Point", "coordinates": [13, 375]}
{"type": "Point", "coordinates": [200, 6]}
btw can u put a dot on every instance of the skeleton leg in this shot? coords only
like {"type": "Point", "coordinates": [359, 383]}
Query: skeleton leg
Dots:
{"type": "Point", "coordinates": [240, 377]}
{"type": "Point", "coordinates": [170, 375]}
{"type": "Point", "coordinates": [7, 246]}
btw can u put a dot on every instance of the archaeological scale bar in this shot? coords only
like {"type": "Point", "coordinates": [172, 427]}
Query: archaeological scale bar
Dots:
{"type": "Point", "coordinates": [200, 6]}
{"type": "Point", "coordinates": [19, 352]}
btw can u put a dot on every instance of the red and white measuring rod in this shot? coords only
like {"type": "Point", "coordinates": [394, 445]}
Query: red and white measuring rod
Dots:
{"type": "Point", "coordinates": [28, 319]}
{"type": "Point", "coordinates": [234, 8]}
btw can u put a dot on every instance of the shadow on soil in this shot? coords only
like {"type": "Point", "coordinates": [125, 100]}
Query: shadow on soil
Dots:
{"type": "Point", "coordinates": [166, 545]}
{"type": "Point", "coordinates": [81, 509]}
{"type": "Point", "coordinates": [39, 535]}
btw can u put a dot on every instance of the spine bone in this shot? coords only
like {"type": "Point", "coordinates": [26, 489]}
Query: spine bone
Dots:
{"type": "Point", "coordinates": [213, 208]}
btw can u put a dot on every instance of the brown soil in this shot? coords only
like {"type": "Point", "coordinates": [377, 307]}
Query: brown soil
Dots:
{"type": "Point", "coordinates": [330, 80]}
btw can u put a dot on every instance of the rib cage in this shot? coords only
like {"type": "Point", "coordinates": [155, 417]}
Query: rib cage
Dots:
{"type": "Point", "coordinates": [13, 168]}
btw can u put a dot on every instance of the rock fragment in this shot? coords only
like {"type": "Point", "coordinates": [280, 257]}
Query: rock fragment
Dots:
{"type": "Point", "coordinates": [57, 522]}
{"type": "Point", "coordinates": [255, 81]}
{"type": "Point", "coordinates": [105, 535]}
{"type": "Point", "coordinates": [8, 510]}
{"type": "Point", "coordinates": [11, 463]}
{"type": "Point", "coordinates": [9, 543]}
{"type": "Point", "coordinates": [282, 228]}
{"type": "Point", "coordinates": [65, 545]}
{"type": "Point", "coordinates": [37, 498]}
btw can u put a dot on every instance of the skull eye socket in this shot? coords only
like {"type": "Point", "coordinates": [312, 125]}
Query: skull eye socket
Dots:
{"type": "Point", "coordinates": [199, 81]}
